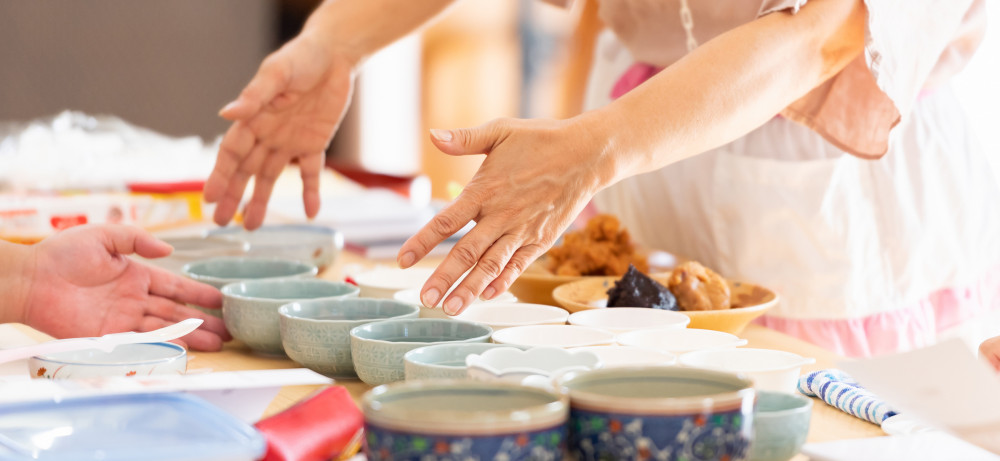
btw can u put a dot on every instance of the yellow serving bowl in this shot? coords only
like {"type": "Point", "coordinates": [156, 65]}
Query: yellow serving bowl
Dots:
{"type": "Point", "coordinates": [749, 300]}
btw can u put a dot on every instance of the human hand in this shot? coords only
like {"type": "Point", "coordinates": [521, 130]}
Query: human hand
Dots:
{"type": "Point", "coordinates": [81, 284]}
{"type": "Point", "coordinates": [289, 111]}
{"type": "Point", "coordinates": [537, 177]}
{"type": "Point", "coordinates": [990, 350]}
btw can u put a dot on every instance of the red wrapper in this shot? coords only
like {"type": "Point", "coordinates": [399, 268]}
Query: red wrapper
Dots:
{"type": "Point", "coordinates": [319, 428]}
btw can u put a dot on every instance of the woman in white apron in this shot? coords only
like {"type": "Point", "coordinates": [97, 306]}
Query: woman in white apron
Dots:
{"type": "Point", "coordinates": [866, 204]}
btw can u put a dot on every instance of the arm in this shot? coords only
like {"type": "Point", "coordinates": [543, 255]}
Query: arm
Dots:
{"type": "Point", "coordinates": [538, 175]}
{"type": "Point", "coordinates": [293, 106]}
{"type": "Point", "coordinates": [731, 85]}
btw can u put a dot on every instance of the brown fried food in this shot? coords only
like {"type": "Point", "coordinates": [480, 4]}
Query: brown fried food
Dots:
{"type": "Point", "coordinates": [602, 247]}
{"type": "Point", "coordinates": [698, 288]}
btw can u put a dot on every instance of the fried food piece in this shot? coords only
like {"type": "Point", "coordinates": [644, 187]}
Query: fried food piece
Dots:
{"type": "Point", "coordinates": [698, 288]}
{"type": "Point", "coordinates": [602, 247]}
{"type": "Point", "coordinates": [636, 289]}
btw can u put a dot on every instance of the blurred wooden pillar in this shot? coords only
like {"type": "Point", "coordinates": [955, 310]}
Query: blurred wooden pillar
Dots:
{"type": "Point", "coordinates": [576, 72]}
{"type": "Point", "coordinates": [471, 75]}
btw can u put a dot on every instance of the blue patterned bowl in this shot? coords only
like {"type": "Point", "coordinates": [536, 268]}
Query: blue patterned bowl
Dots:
{"type": "Point", "coordinates": [317, 333]}
{"type": "Point", "coordinates": [780, 426]}
{"type": "Point", "coordinates": [659, 413]}
{"type": "Point", "coordinates": [378, 348]}
{"type": "Point", "coordinates": [250, 308]}
{"type": "Point", "coordinates": [443, 420]}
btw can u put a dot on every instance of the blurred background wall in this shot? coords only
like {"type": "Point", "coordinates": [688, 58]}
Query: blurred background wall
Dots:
{"type": "Point", "coordinates": [171, 65]}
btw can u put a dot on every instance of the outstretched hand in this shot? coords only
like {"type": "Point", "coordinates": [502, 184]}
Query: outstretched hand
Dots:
{"type": "Point", "coordinates": [289, 111]}
{"type": "Point", "coordinates": [537, 177]}
{"type": "Point", "coordinates": [81, 284]}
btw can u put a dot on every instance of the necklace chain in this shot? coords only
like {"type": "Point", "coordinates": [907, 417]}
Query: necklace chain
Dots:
{"type": "Point", "coordinates": [688, 22]}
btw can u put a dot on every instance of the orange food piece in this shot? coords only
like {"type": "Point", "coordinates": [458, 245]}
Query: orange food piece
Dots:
{"type": "Point", "coordinates": [698, 288]}
{"type": "Point", "coordinates": [602, 247]}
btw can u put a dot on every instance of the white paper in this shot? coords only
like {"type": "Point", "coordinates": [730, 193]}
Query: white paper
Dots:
{"type": "Point", "coordinates": [930, 446]}
{"type": "Point", "coordinates": [12, 337]}
{"type": "Point", "coordinates": [944, 384]}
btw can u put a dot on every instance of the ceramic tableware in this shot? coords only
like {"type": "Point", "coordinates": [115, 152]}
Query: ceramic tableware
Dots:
{"type": "Point", "coordinates": [317, 335]}
{"type": "Point", "coordinates": [769, 369]}
{"type": "Point", "coordinates": [412, 296]}
{"type": "Point", "coordinates": [505, 315]}
{"type": "Point", "coordinates": [141, 359]}
{"type": "Point", "coordinates": [680, 341]}
{"type": "Point", "coordinates": [514, 365]}
{"type": "Point", "coordinates": [316, 245]}
{"type": "Point", "coordinates": [222, 271]}
{"type": "Point", "coordinates": [658, 413]}
{"type": "Point", "coordinates": [191, 249]}
{"type": "Point", "coordinates": [629, 356]}
{"type": "Point", "coordinates": [781, 424]}
{"type": "Point", "coordinates": [554, 335]}
{"type": "Point", "coordinates": [749, 302]}
{"type": "Point", "coordinates": [384, 282]}
{"type": "Point", "coordinates": [250, 308]}
{"type": "Point", "coordinates": [378, 348]}
{"type": "Point", "coordinates": [442, 361]}
{"type": "Point", "coordinates": [105, 343]}
{"type": "Point", "coordinates": [463, 420]}
{"type": "Point", "coordinates": [625, 319]}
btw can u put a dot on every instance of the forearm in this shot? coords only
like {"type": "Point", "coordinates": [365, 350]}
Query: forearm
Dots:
{"type": "Point", "coordinates": [359, 28]}
{"type": "Point", "coordinates": [16, 263]}
{"type": "Point", "coordinates": [730, 85]}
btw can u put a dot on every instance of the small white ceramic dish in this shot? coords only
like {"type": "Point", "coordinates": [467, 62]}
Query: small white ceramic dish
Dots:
{"type": "Point", "coordinates": [770, 370]}
{"type": "Point", "coordinates": [680, 341]}
{"type": "Point", "coordinates": [565, 336]}
{"type": "Point", "coordinates": [384, 282]}
{"type": "Point", "coordinates": [142, 359]}
{"type": "Point", "coordinates": [412, 296]}
{"type": "Point", "coordinates": [624, 319]}
{"type": "Point", "coordinates": [506, 315]}
{"type": "Point", "coordinates": [629, 356]}
{"type": "Point", "coordinates": [514, 365]}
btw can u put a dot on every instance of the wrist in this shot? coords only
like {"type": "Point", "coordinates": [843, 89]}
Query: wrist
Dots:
{"type": "Point", "coordinates": [323, 30]}
{"type": "Point", "coordinates": [604, 137]}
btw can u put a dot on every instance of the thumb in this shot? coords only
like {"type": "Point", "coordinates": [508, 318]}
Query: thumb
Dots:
{"type": "Point", "coordinates": [270, 80]}
{"type": "Point", "coordinates": [126, 240]}
{"type": "Point", "coordinates": [471, 141]}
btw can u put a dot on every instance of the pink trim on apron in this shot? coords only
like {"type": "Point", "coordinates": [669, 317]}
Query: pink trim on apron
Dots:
{"type": "Point", "coordinates": [915, 326]}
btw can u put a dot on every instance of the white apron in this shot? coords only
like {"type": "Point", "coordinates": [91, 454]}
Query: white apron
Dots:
{"type": "Point", "coordinates": [859, 250]}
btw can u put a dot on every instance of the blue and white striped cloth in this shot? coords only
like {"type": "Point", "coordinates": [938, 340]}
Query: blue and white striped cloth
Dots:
{"type": "Point", "coordinates": [841, 391]}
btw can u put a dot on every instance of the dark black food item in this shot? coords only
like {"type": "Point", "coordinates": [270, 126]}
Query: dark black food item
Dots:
{"type": "Point", "coordinates": [636, 289]}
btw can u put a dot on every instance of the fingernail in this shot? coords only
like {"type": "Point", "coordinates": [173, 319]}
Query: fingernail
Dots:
{"type": "Point", "coordinates": [452, 306]}
{"type": "Point", "coordinates": [407, 260]}
{"type": "Point", "coordinates": [229, 106]}
{"type": "Point", "coordinates": [489, 293]}
{"type": "Point", "coordinates": [441, 135]}
{"type": "Point", "coordinates": [430, 297]}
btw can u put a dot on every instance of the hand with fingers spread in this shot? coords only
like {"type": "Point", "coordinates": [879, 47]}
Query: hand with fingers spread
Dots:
{"type": "Point", "coordinates": [537, 177]}
{"type": "Point", "coordinates": [288, 112]}
{"type": "Point", "coordinates": [80, 283]}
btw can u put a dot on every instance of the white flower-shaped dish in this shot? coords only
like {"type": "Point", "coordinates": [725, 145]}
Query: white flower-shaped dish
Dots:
{"type": "Point", "coordinates": [513, 365]}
